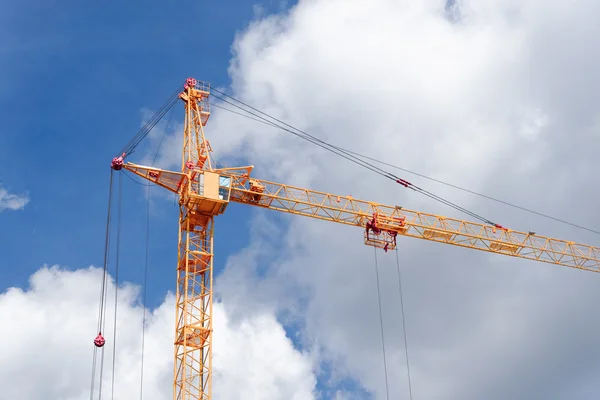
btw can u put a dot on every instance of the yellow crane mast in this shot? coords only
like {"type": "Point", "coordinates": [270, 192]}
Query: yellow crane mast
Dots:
{"type": "Point", "coordinates": [205, 191]}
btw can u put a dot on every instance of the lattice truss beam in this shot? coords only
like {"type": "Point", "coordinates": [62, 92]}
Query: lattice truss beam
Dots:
{"type": "Point", "coordinates": [193, 335]}
{"type": "Point", "coordinates": [400, 221]}
{"type": "Point", "coordinates": [395, 219]}
{"type": "Point", "coordinates": [193, 339]}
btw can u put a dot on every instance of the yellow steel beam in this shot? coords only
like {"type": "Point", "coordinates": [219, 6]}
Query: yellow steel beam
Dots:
{"type": "Point", "coordinates": [351, 211]}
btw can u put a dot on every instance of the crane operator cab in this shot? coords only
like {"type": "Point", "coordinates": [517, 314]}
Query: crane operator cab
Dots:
{"type": "Point", "coordinates": [209, 192]}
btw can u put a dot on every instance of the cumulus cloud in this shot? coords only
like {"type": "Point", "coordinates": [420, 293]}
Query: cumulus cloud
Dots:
{"type": "Point", "coordinates": [497, 97]}
{"type": "Point", "coordinates": [47, 335]}
{"type": "Point", "coordinates": [11, 201]}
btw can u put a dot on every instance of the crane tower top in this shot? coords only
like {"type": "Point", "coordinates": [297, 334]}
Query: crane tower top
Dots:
{"type": "Point", "coordinates": [196, 149]}
{"type": "Point", "coordinates": [197, 92]}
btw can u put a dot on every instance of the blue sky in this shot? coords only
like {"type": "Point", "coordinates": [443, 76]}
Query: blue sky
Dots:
{"type": "Point", "coordinates": [74, 80]}
{"type": "Point", "coordinates": [74, 83]}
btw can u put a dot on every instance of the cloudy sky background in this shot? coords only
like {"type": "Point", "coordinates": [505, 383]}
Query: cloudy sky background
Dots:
{"type": "Point", "coordinates": [498, 98]}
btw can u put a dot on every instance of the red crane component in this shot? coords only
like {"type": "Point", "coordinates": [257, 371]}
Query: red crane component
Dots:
{"type": "Point", "coordinates": [99, 341]}
{"type": "Point", "coordinates": [190, 83]}
{"type": "Point", "coordinates": [117, 162]}
{"type": "Point", "coordinates": [380, 238]}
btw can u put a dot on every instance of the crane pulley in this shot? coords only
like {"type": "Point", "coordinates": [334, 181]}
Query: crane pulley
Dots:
{"type": "Point", "coordinates": [205, 191]}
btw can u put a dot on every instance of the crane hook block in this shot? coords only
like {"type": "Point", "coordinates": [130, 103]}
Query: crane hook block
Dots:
{"type": "Point", "coordinates": [99, 340]}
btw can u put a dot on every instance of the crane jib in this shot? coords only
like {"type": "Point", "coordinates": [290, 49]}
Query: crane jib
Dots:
{"type": "Point", "coordinates": [388, 219]}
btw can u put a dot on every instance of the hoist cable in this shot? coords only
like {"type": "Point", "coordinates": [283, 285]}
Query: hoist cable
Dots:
{"type": "Point", "coordinates": [479, 194]}
{"type": "Point", "coordinates": [114, 354]}
{"type": "Point", "coordinates": [369, 166]}
{"type": "Point", "coordinates": [387, 390]}
{"type": "Point", "coordinates": [267, 122]}
{"type": "Point", "coordinates": [128, 176]}
{"type": "Point", "coordinates": [101, 307]}
{"type": "Point", "coordinates": [317, 142]}
{"type": "Point", "coordinates": [106, 251]}
{"type": "Point", "coordinates": [103, 352]}
{"type": "Point", "coordinates": [151, 123]}
{"type": "Point", "coordinates": [343, 153]}
{"type": "Point", "coordinates": [106, 292]}
{"type": "Point", "coordinates": [403, 317]}
{"type": "Point", "coordinates": [347, 155]}
{"type": "Point", "coordinates": [145, 291]}
{"type": "Point", "coordinates": [162, 138]}
{"type": "Point", "coordinates": [148, 191]}
{"type": "Point", "coordinates": [93, 372]}
{"type": "Point", "coordinates": [306, 136]}
{"type": "Point", "coordinates": [243, 115]}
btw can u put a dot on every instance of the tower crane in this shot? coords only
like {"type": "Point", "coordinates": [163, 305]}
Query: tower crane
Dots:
{"type": "Point", "coordinates": [204, 192]}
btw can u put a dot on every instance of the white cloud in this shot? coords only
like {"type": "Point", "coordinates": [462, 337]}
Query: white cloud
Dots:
{"type": "Point", "coordinates": [501, 102]}
{"type": "Point", "coordinates": [49, 327]}
{"type": "Point", "coordinates": [11, 201]}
